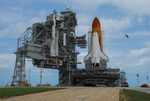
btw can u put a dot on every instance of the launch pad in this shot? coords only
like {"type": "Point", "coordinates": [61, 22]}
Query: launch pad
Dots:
{"type": "Point", "coordinates": [52, 44]}
{"type": "Point", "coordinates": [105, 77]}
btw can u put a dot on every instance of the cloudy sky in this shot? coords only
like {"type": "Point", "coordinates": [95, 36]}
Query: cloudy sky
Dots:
{"type": "Point", "coordinates": [118, 17]}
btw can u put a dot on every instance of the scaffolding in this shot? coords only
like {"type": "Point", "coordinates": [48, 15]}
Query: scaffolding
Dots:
{"type": "Point", "coordinates": [50, 44]}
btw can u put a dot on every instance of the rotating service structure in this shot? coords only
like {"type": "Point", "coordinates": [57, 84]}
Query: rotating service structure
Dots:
{"type": "Point", "coordinates": [50, 44]}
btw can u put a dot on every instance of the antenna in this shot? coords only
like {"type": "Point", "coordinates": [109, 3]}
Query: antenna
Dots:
{"type": "Point", "coordinates": [137, 75]}
{"type": "Point", "coordinates": [41, 76]}
{"type": "Point", "coordinates": [29, 75]}
{"type": "Point", "coordinates": [147, 79]}
{"type": "Point", "coordinates": [68, 4]}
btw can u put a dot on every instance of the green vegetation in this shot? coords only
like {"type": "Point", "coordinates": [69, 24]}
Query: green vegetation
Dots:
{"type": "Point", "coordinates": [132, 95]}
{"type": "Point", "coordinates": [15, 91]}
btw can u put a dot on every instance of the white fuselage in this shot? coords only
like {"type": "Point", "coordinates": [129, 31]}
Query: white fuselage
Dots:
{"type": "Point", "coordinates": [94, 51]}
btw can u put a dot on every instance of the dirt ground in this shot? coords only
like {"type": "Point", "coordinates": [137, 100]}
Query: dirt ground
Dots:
{"type": "Point", "coordinates": [72, 94]}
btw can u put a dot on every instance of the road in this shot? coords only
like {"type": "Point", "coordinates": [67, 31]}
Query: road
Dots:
{"type": "Point", "coordinates": [72, 94]}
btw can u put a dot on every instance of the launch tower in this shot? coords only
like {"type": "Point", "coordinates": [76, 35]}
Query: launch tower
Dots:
{"type": "Point", "coordinates": [50, 44]}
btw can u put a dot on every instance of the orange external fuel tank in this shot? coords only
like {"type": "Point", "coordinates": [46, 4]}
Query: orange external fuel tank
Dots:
{"type": "Point", "coordinates": [96, 27]}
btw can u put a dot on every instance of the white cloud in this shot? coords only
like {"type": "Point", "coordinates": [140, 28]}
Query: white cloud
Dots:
{"type": "Point", "coordinates": [85, 5]}
{"type": "Point", "coordinates": [138, 7]}
{"type": "Point", "coordinates": [140, 52]}
{"type": "Point", "coordinates": [7, 60]}
{"type": "Point", "coordinates": [17, 26]}
{"type": "Point", "coordinates": [133, 60]}
{"type": "Point", "coordinates": [141, 34]}
{"type": "Point", "coordinates": [112, 27]}
{"type": "Point", "coordinates": [14, 24]}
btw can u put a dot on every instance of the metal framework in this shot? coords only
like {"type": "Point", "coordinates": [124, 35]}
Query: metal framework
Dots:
{"type": "Point", "coordinates": [50, 44]}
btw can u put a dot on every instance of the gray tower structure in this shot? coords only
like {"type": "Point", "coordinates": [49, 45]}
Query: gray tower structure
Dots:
{"type": "Point", "coordinates": [50, 44]}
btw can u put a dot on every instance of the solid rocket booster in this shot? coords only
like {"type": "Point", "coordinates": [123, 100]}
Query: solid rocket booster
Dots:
{"type": "Point", "coordinates": [95, 44]}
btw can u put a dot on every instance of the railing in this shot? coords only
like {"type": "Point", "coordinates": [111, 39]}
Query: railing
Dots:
{"type": "Point", "coordinates": [26, 38]}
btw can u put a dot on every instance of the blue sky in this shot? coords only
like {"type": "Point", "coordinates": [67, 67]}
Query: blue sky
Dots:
{"type": "Point", "coordinates": [118, 17]}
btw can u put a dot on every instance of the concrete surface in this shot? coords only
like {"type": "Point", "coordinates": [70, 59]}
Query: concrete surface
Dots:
{"type": "Point", "coordinates": [72, 94]}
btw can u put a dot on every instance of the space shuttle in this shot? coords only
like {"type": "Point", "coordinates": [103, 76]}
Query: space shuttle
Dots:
{"type": "Point", "coordinates": [96, 58]}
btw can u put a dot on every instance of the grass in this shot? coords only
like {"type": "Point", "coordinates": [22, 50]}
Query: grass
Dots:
{"type": "Point", "coordinates": [16, 91]}
{"type": "Point", "coordinates": [132, 95]}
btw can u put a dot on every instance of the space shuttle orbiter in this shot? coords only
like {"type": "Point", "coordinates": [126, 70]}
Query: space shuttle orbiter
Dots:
{"type": "Point", "coordinates": [96, 56]}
